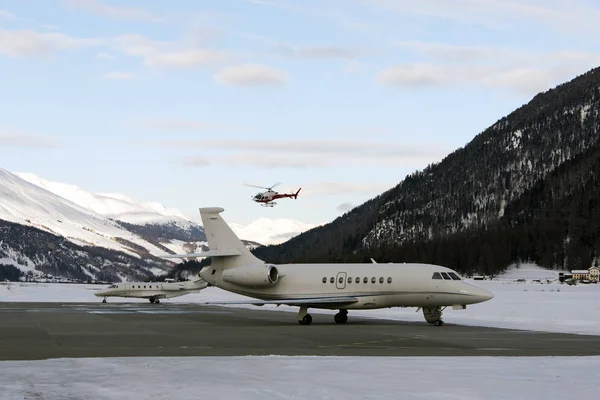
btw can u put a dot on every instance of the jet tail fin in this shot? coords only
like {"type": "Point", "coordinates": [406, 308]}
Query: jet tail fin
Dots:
{"type": "Point", "coordinates": [224, 246]}
{"type": "Point", "coordinates": [221, 238]}
{"type": "Point", "coordinates": [296, 194]}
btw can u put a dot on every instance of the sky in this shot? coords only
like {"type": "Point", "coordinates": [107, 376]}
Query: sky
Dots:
{"type": "Point", "coordinates": [183, 102]}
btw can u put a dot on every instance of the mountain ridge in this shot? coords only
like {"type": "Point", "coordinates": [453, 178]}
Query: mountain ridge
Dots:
{"type": "Point", "coordinates": [468, 191]}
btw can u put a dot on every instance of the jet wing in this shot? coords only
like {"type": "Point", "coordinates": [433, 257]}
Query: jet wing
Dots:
{"type": "Point", "coordinates": [320, 301]}
{"type": "Point", "coordinates": [210, 253]}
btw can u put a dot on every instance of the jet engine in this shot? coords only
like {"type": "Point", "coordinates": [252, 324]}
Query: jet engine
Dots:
{"type": "Point", "coordinates": [257, 276]}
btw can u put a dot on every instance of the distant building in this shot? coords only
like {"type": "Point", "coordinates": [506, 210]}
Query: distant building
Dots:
{"type": "Point", "coordinates": [592, 274]}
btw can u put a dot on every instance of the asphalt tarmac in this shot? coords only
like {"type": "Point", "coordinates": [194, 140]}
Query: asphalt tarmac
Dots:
{"type": "Point", "coordinates": [30, 331]}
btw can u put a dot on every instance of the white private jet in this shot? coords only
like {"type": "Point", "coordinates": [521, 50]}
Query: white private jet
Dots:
{"type": "Point", "coordinates": [152, 291]}
{"type": "Point", "coordinates": [345, 287]}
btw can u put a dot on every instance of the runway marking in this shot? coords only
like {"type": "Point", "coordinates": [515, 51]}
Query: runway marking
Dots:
{"type": "Point", "coordinates": [358, 344]}
{"type": "Point", "coordinates": [494, 349]}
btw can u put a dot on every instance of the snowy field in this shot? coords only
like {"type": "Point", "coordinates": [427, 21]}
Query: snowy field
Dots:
{"type": "Point", "coordinates": [283, 378]}
{"type": "Point", "coordinates": [529, 306]}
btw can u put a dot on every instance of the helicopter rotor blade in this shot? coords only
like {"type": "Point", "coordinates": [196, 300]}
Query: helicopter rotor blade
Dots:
{"type": "Point", "coordinates": [254, 186]}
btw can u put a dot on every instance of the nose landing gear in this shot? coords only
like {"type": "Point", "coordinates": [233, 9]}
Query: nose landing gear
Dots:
{"type": "Point", "coordinates": [433, 315]}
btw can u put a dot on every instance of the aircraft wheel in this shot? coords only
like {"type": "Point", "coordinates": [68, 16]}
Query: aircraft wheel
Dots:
{"type": "Point", "coordinates": [104, 300]}
{"type": "Point", "coordinates": [438, 322]}
{"type": "Point", "coordinates": [306, 320]}
{"type": "Point", "coordinates": [157, 301]}
{"type": "Point", "coordinates": [151, 300]}
{"type": "Point", "coordinates": [341, 318]}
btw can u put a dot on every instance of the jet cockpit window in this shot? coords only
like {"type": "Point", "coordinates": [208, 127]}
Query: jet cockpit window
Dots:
{"type": "Point", "coordinates": [454, 276]}
{"type": "Point", "coordinates": [436, 275]}
{"type": "Point", "coordinates": [446, 276]}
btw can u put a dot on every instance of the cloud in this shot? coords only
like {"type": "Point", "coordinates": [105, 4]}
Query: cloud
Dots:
{"type": "Point", "coordinates": [51, 27]}
{"type": "Point", "coordinates": [454, 53]}
{"type": "Point", "coordinates": [251, 75]}
{"type": "Point", "coordinates": [17, 139]}
{"type": "Point", "coordinates": [101, 8]}
{"type": "Point", "coordinates": [277, 4]}
{"type": "Point", "coordinates": [118, 75]}
{"type": "Point", "coordinates": [104, 56]}
{"type": "Point", "coordinates": [519, 80]}
{"type": "Point", "coordinates": [573, 16]}
{"type": "Point", "coordinates": [7, 15]}
{"type": "Point", "coordinates": [191, 58]}
{"type": "Point", "coordinates": [447, 65]}
{"type": "Point", "coordinates": [27, 43]}
{"type": "Point", "coordinates": [252, 159]}
{"type": "Point", "coordinates": [336, 188]}
{"type": "Point", "coordinates": [344, 207]}
{"type": "Point", "coordinates": [194, 162]}
{"type": "Point", "coordinates": [178, 125]}
{"type": "Point", "coordinates": [165, 54]}
{"type": "Point", "coordinates": [306, 153]}
{"type": "Point", "coordinates": [327, 52]}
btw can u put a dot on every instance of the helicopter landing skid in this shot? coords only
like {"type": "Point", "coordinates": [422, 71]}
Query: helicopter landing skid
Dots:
{"type": "Point", "coordinates": [271, 204]}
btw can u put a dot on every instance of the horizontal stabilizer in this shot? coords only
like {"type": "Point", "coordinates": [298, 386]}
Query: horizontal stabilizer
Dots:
{"type": "Point", "coordinates": [210, 253]}
{"type": "Point", "coordinates": [322, 301]}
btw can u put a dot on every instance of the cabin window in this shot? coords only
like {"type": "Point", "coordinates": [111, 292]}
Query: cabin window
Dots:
{"type": "Point", "coordinates": [349, 280]}
{"type": "Point", "coordinates": [446, 276]}
{"type": "Point", "coordinates": [381, 280]}
{"type": "Point", "coordinates": [139, 286]}
{"type": "Point", "coordinates": [341, 280]}
{"type": "Point", "coordinates": [213, 272]}
{"type": "Point", "coordinates": [366, 280]}
{"type": "Point", "coordinates": [324, 279]}
{"type": "Point", "coordinates": [454, 276]}
{"type": "Point", "coordinates": [332, 279]}
{"type": "Point", "coordinates": [390, 280]}
{"type": "Point", "coordinates": [436, 275]}
{"type": "Point", "coordinates": [373, 280]}
{"type": "Point", "coordinates": [357, 280]}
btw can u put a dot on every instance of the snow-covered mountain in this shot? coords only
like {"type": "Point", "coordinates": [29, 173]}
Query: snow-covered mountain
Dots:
{"type": "Point", "coordinates": [29, 204]}
{"type": "Point", "coordinates": [112, 205]}
{"type": "Point", "coordinates": [113, 222]}
{"type": "Point", "coordinates": [271, 231]}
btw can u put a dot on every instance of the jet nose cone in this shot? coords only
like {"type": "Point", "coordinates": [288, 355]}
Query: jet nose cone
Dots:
{"type": "Point", "coordinates": [482, 295]}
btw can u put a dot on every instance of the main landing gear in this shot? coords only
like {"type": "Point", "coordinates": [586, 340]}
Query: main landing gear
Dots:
{"type": "Point", "coordinates": [304, 318]}
{"type": "Point", "coordinates": [104, 300]}
{"type": "Point", "coordinates": [341, 317]}
{"type": "Point", "coordinates": [154, 301]}
{"type": "Point", "coordinates": [433, 315]}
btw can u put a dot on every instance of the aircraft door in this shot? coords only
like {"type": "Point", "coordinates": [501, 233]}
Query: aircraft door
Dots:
{"type": "Point", "coordinates": [340, 280]}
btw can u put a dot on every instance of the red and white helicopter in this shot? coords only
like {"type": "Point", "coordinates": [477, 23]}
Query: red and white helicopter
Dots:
{"type": "Point", "coordinates": [266, 198]}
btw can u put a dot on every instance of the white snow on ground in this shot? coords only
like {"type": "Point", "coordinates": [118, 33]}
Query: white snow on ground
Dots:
{"type": "Point", "coordinates": [277, 377]}
{"type": "Point", "coordinates": [528, 306]}
{"type": "Point", "coordinates": [527, 272]}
